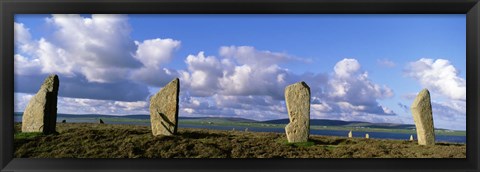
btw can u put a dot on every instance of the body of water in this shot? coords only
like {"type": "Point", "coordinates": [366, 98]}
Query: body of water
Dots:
{"type": "Point", "coordinates": [342, 133]}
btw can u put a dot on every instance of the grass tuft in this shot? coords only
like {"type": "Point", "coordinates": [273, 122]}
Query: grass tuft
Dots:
{"type": "Point", "coordinates": [29, 135]}
{"type": "Point", "coordinates": [300, 144]}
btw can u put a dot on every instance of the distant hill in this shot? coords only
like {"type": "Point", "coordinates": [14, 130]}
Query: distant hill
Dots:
{"type": "Point", "coordinates": [213, 119]}
{"type": "Point", "coordinates": [327, 122]}
{"type": "Point", "coordinates": [321, 122]}
{"type": "Point", "coordinates": [324, 122]}
{"type": "Point", "coordinates": [143, 116]}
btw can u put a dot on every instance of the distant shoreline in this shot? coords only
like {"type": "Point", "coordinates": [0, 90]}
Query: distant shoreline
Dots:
{"type": "Point", "coordinates": [313, 122]}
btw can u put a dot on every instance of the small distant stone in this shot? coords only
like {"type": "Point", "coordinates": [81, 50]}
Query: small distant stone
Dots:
{"type": "Point", "coordinates": [350, 134]}
{"type": "Point", "coordinates": [40, 115]}
{"type": "Point", "coordinates": [164, 109]}
{"type": "Point", "coordinates": [297, 98]}
{"type": "Point", "coordinates": [411, 138]}
{"type": "Point", "coordinates": [423, 118]}
{"type": "Point", "coordinates": [367, 136]}
{"type": "Point", "coordinates": [100, 121]}
{"type": "Point", "coordinates": [246, 129]}
{"type": "Point", "coordinates": [233, 129]}
{"type": "Point", "coordinates": [64, 121]}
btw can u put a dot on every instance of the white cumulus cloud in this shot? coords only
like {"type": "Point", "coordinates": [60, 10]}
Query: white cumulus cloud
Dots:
{"type": "Point", "coordinates": [346, 67]}
{"type": "Point", "coordinates": [235, 72]}
{"type": "Point", "coordinates": [439, 76]}
{"type": "Point", "coordinates": [88, 53]}
{"type": "Point", "coordinates": [203, 74]}
{"type": "Point", "coordinates": [88, 106]}
{"type": "Point", "coordinates": [352, 90]}
{"type": "Point", "coordinates": [28, 67]}
{"type": "Point", "coordinates": [98, 48]}
{"type": "Point", "coordinates": [22, 37]}
{"type": "Point", "coordinates": [156, 52]}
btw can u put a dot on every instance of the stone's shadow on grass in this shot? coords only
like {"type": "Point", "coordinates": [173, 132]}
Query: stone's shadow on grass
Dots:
{"type": "Point", "coordinates": [318, 142]}
{"type": "Point", "coordinates": [325, 140]}
{"type": "Point", "coordinates": [197, 135]}
{"type": "Point", "coordinates": [448, 144]}
{"type": "Point", "coordinates": [302, 144]}
{"type": "Point", "coordinates": [328, 142]}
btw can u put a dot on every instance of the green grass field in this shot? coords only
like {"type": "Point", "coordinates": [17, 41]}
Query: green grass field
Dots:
{"type": "Point", "coordinates": [82, 140]}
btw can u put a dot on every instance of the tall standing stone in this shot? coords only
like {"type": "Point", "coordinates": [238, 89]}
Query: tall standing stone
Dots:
{"type": "Point", "coordinates": [367, 136]}
{"type": "Point", "coordinates": [350, 134]}
{"type": "Point", "coordinates": [164, 109]}
{"type": "Point", "coordinates": [297, 98]}
{"type": "Point", "coordinates": [411, 138]}
{"type": "Point", "coordinates": [422, 115]}
{"type": "Point", "coordinates": [40, 115]}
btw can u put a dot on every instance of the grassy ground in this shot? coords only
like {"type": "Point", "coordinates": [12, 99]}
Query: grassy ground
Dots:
{"type": "Point", "coordinates": [130, 141]}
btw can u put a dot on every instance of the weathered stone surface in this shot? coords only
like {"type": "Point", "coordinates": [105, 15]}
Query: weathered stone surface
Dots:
{"type": "Point", "coordinates": [367, 136]}
{"type": "Point", "coordinates": [422, 115]}
{"type": "Point", "coordinates": [297, 98]}
{"type": "Point", "coordinates": [411, 138]}
{"type": "Point", "coordinates": [164, 109]}
{"type": "Point", "coordinates": [350, 134]}
{"type": "Point", "coordinates": [40, 115]}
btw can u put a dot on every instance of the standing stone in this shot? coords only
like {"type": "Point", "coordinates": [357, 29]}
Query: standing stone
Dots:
{"type": "Point", "coordinates": [422, 115]}
{"type": "Point", "coordinates": [350, 134]}
{"type": "Point", "coordinates": [367, 136]}
{"type": "Point", "coordinates": [100, 121]}
{"type": "Point", "coordinates": [64, 121]}
{"type": "Point", "coordinates": [164, 109]}
{"type": "Point", "coordinates": [40, 115]}
{"type": "Point", "coordinates": [297, 98]}
{"type": "Point", "coordinates": [411, 137]}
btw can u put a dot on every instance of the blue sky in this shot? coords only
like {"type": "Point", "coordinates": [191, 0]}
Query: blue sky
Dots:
{"type": "Point", "coordinates": [360, 67]}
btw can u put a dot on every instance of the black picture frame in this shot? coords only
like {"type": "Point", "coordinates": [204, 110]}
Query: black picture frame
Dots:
{"type": "Point", "coordinates": [8, 8]}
